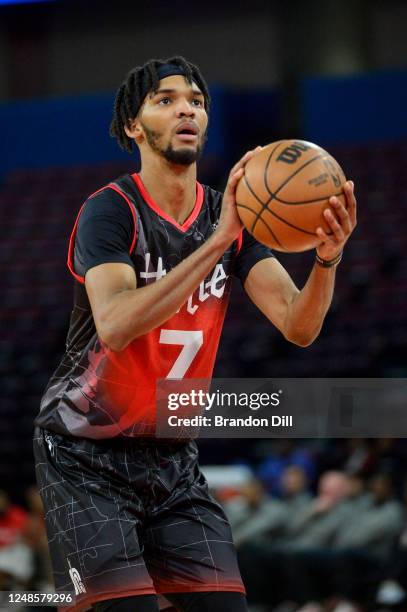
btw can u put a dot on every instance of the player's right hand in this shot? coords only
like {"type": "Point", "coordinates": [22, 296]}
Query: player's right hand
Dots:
{"type": "Point", "coordinates": [229, 222]}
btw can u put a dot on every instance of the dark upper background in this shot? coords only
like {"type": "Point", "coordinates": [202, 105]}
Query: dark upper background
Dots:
{"type": "Point", "coordinates": [73, 47]}
{"type": "Point", "coordinates": [331, 72]}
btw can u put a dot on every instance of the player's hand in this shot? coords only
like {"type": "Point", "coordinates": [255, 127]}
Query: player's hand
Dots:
{"type": "Point", "coordinates": [342, 222]}
{"type": "Point", "coordinates": [229, 222]}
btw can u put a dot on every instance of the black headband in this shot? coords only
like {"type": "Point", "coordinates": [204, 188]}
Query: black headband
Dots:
{"type": "Point", "coordinates": [167, 70]}
{"type": "Point", "coordinates": [163, 71]}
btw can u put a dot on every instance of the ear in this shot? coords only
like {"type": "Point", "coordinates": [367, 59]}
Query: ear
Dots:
{"type": "Point", "coordinates": [135, 130]}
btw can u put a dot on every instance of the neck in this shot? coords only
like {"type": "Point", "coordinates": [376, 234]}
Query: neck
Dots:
{"type": "Point", "coordinates": [171, 186]}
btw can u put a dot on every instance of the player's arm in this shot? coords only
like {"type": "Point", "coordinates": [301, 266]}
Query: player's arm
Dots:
{"type": "Point", "coordinates": [299, 314]}
{"type": "Point", "coordinates": [122, 311]}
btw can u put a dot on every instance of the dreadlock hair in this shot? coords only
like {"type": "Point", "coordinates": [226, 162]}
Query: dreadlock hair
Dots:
{"type": "Point", "coordinates": [131, 93]}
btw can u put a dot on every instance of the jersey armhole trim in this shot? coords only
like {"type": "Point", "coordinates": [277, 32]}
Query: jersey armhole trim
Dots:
{"type": "Point", "coordinates": [239, 242]}
{"type": "Point", "coordinates": [71, 247]}
{"type": "Point", "coordinates": [133, 213]}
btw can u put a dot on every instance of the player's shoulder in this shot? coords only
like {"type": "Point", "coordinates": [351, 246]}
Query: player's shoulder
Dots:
{"type": "Point", "coordinates": [212, 197]}
{"type": "Point", "coordinates": [108, 199]}
{"type": "Point", "coordinates": [112, 191]}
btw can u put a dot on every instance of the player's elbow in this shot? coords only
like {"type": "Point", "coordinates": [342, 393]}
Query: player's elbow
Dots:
{"type": "Point", "coordinates": [301, 331]}
{"type": "Point", "coordinates": [118, 336]}
{"type": "Point", "coordinates": [301, 337]}
{"type": "Point", "coordinates": [111, 335]}
{"type": "Point", "coordinates": [303, 341]}
{"type": "Point", "coordinates": [112, 340]}
{"type": "Point", "coordinates": [116, 345]}
{"type": "Point", "coordinates": [112, 328]}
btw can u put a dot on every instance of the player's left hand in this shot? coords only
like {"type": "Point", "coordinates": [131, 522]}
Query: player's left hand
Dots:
{"type": "Point", "coordinates": [229, 221]}
{"type": "Point", "coordinates": [342, 222]}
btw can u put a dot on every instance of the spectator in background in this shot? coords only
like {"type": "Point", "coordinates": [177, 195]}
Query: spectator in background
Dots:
{"type": "Point", "coordinates": [365, 548]}
{"type": "Point", "coordinates": [16, 565]}
{"type": "Point", "coordinates": [376, 529]}
{"type": "Point", "coordinates": [318, 522]}
{"type": "Point", "coordinates": [287, 453]}
{"type": "Point", "coordinates": [266, 516]}
{"type": "Point", "coordinates": [313, 526]}
{"type": "Point", "coordinates": [348, 571]}
{"type": "Point", "coordinates": [296, 493]}
{"type": "Point", "coordinates": [295, 484]}
{"type": "Point", "coordinates": [360, 498]}
{"type": "Point", "coordinates": [393, 588]}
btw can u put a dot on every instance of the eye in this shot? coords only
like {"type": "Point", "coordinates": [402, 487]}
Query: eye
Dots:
{"type": "Point", "coordinates": [165, 101]}
{"type": "Point", "coordinates": [197, 102]}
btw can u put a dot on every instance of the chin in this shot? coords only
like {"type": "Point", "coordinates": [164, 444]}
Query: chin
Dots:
{"type": "Point", "coordinates": [184, 156]}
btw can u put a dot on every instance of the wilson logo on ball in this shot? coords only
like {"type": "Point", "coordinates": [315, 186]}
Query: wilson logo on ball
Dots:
{"type": "Point", "coordinates": [293, 152]}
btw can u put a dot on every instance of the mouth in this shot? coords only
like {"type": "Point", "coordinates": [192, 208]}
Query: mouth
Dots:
{"type": "Point", "coordinates": [187, 131]}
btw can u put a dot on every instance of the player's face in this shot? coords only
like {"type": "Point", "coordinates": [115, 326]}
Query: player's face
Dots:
{"type": "Point", "coordinates": [173, 121]}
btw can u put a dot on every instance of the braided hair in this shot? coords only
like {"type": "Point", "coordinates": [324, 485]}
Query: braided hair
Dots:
{"type": "Point", "coordinates": [132, 91]}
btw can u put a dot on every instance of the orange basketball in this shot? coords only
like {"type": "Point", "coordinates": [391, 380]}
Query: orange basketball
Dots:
{"type": "Point", "coordinates": [284, 191]}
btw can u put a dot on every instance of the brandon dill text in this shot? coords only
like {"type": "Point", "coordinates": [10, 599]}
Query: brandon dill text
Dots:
{"type": "Point", "coordinates": [221, 421]}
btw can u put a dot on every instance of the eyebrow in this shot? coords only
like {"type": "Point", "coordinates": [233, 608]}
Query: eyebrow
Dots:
{"type": "Point", "coordinates": [196, 92]}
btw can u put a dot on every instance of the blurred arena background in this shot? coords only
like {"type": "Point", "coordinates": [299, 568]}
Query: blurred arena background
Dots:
{"type": "Point", "coordinates": [320, 521]}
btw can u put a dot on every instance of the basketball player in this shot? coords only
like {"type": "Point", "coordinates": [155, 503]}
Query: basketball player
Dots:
{"type": "Point", "coordinates": [153, 254]}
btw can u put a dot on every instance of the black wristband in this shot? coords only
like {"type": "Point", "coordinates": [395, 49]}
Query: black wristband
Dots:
{"type": "Point", "coordinates": [328, 263]}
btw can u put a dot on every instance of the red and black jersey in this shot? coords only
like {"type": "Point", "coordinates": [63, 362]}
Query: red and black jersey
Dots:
{"type": "Point", "coordinates": [99, 393]}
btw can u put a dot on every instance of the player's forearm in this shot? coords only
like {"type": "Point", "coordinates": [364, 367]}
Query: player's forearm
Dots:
{"type": "Point", "coordinates": [132, 313]}
{"type": "Point", "coordinates": [307, 311]}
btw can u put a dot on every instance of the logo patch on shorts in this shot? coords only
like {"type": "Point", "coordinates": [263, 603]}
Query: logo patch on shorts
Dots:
{"type": "Point", "coordinates": [76, 580]}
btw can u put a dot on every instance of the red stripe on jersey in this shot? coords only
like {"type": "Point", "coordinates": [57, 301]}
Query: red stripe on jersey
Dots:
{"type": "Point", "coordinates": [70, 260]}
{"type": "Point", "coordinates": [149, 200]}
{"type": "Point", "coordinates": [239, 242]}
{"type": "Point", "coordinates": [133, 242]}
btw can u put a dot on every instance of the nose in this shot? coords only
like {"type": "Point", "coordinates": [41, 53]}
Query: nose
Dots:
{"type": "Point", "coordinates": [185, 108]}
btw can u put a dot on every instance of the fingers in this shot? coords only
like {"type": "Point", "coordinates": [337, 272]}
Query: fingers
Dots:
{"type": "Point", "coordinates": [243, 161]}
{"type": "Point", "coordinates": [334, 224]}
{"type": "Point", "coordinates": [323, 236]}
{"type": "Point", "coordinates": [340, 214]}
{"type": "Point", "coordinates": [234, 179]}
{"type": "Point", "coordinates": [351, 201]}
{"type": "Point", "coordinates": [341, 220]}
{"type": "Point", "coordinates": [238, 169]}
{"type": "Point", "coordinates": [338, 235]}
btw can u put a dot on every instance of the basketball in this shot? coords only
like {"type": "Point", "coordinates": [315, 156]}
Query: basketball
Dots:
{"type": "Point", "coordinates": [284, 191]}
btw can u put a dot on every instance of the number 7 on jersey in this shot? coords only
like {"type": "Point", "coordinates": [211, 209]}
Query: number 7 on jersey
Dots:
{"type": "Point", "coordinates": [191, 342]}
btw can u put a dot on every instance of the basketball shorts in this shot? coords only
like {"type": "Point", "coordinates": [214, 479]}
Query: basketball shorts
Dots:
{"type": "Point", "coordinates": [131, 517]}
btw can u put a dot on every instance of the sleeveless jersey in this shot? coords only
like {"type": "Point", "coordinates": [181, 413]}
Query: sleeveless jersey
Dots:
{"type": "Point", "coordinates": [99, 393]}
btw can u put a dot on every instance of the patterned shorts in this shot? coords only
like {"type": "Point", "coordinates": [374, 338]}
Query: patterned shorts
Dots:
{"type": "Point", "coordinates": [131, 517]}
